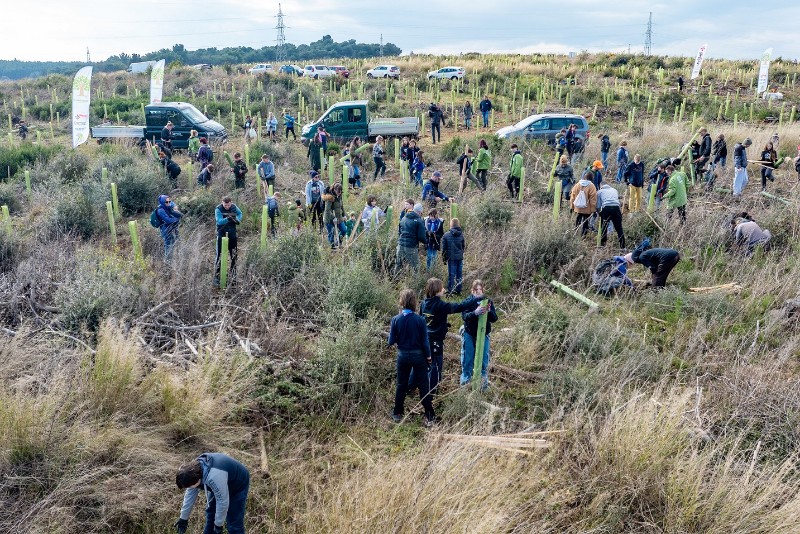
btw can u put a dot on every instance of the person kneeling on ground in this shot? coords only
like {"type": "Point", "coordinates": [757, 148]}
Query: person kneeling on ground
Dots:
{"type": "Point", "coordinates": [226, 483]}
{"type": "Point", "coordinates": [660, 261]}
{"type": "Point", "coordinates": [469, 336]}
{"type": "Point", "coordinates": [747, 234]}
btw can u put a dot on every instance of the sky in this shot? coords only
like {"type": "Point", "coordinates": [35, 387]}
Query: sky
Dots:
{"type": "Point", "coordinates": [53, 30]}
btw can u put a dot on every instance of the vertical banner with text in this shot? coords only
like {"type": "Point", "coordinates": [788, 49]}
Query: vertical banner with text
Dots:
{"type": "Point", "coordinates": [698, 63]}
{"type": "Point", "coordinates": [81, 92]}
{"type": "Point", "coordinates": [157, 82]}
{"type": "Point", "coordinates": [763, 72]}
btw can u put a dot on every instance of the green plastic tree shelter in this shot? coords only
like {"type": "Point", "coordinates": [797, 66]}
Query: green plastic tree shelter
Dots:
{"type": "Point", "coordinates": [556, 200]}
{"type": "Point", "coordinates": [111, 227]}
{"type": "Point", "coordinates": [223, 267]}
{"type": "Point", "coordinates": [521, 185]}
{"type": "Point", "coordinates": [480, 343]}
{"type": "Point", "coordinates": [264, 227]}
{"type": "Point", "coordinates": [574, 294]}
{"type": "Point", "coordinates": [135, 243]}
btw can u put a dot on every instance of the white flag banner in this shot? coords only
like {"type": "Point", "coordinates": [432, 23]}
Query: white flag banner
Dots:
{"type": "Point", "coordinates": [81, 92]}
{"type": "Point", "coordinates": [763, 72]}
{"type": "Point", "coordinates": [698, 63]}
{"type": "Point", "coordinates": [157, 82]}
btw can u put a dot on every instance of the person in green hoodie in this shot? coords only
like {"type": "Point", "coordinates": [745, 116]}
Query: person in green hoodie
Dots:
{"type": "Point", "coordinates": [676, 196]}
{"type": "Point", "coordinates": [515, 172]}
{"type": "Point", "coordinates": [194, 145]}
{"type": "Point", "coordinates": [482, 163]}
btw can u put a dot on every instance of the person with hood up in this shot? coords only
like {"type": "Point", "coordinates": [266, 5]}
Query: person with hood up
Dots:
{"type": "Point", "coordinates": [747, 234]}
{"type": "Point", "coordinates": [334, 213]}
{"type": "Point", "coordinates": [226, 483]}
{"type": "Point", "coordinates": [430, 191]}
{"type": "Point", "coordinates": [169, 217]}
{"type": "Point", "coordinates": [583, 201]}
{"type": "Point", "coordinates": [676, 192]}
{"type": "Point", "coordinates": [453, 246]}
{"type": "Point", "coordinates": [660, 261]}
{"type": "Point", "coordinates": [412, 233]}
{"type": "Point", "coordinates": [634, 177]}
{"type": "Point", "coordinates": [740, 167]}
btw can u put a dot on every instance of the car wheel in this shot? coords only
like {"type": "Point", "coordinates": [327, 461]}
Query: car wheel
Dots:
{"type": "Point", "coordinates": [454, 78]}
{"type": "Point", "coordinates": [369, 75]}
{"type": "Point", "coordinates": [316, 76]}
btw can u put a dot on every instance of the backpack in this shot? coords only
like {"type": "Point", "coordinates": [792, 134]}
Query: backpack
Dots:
{"type": "Point", "coordinates": [581, 201]}
{"type": "Point", "coordinates": [460, 161]}
{"type": "Point", "coordinates": [208, 153]}
{"type": "Point", "coordinates": [155, 220]}
{"type": "Point", "coordinates": [607, 277]}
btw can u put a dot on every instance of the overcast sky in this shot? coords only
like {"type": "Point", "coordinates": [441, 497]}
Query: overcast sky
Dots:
{"type": "Point", "coordinates": [63, 29]}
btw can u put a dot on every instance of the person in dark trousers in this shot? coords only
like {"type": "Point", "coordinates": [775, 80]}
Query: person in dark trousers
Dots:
{"type": "Point", "coordinates": [703, 153]}
{"type": "Point", "coordinates": [166, 136]}
{"type": "Point", "coordinates": [288, 121]}
{"type": "Point", "coordinates": [226, 483]}
{"type": "Point", "coordinates": [171, 169]}
{"type": "Point", "coordinates": [314, 191]}
{"type": "Point", "coordinates": [430, 191]}
{"type": "Point", "coordinates": [377, 156]}
{"type": "Point", "coordinates": [169, 218]}
{"type": "Point", "coordinates": [228, 217]}
{"type": "Point", "coordinates": [334, 216]}
{"type": "Point", "coordinates": [605, 147]}
{"type": "Point", "coordinates": [583, 201]}
{"type": "Point", "coordinates": [412, 233]}
{"type": "Point", "coordinates": [22, 130]}
{"type": "Point", "coordinates": [313, 153]}
{"type": "Point", "coordinates": [410, 333]}
{"type": "Point", "coordinates": [437, 117]}
{"type": "Point", "coordinates": [205, 154]}
{"type": "Point", "coordinates": [566, 175]}
{"type": "Point", "coordinates": [482, 163]}
{"type": "Point", "coordinates": [469, 337]}
{"type": "Point", "coordinates": [266, 172]}
{"type": "Point", "coordinates": [660, 261]}
{"type": "Point", "coordinates": [434, 228]}
{"type": "Point", "coordinates": [720, 151]}
{"type": "Point", "coordinates": [514, 172]}
{"type": "Point", "coordinates": [768, 159]}
{"type": "Point", "coordinates": [239, 171]}
{"type": "Point", "coordinates": [453, 246]}
{"type": "Point", "coordinates": [273, 210]}
{"type": "Point", "coordinates": [206, 175]}
{"type": "Point", "coordinates": [608, 206]}
{"type": "Point", "coordinates": [435, 311]}
{"type": "Point", "coordinates": [486, 108]}
{"type": "Point", "coordinates": [680, 83]}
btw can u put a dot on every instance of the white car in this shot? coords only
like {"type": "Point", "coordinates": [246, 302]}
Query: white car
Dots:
{"type": "Point", "coordinates": [318, 71]}
{"type": "Point", "coordinates": [447, 73]}
{"type": "Point", "coordinates": [384, 71]}
{"type": "Point", "coordinates": [261, 68]}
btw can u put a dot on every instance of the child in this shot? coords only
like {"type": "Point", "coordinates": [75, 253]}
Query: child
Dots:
{"type": "Point", "coordinates": [371, 210]}
{"type": "Point", "coordinates": [417, 167]}
{"type": "Point", "coordinates": [194, 145]}
{"type": "Point", "coordinates": [273, 204]}
{"type": "Point", "coordinates": [297, 216]}
{"type": "Point", "coordinates": [412, 154]}
{"type": "Point", "coordinates": [266, 171]}
{"type": "Point", "coordinates": [355, 162]}
{"type": "Point", "coordinates": [453, 255]}
{"type": "Point", "coordinates": [350, 224]}
{"type": "Point", "coordinates": [434, 231]}
{"type": "Point", "coordinates": [239, 170]}
{"type": "Point", "coordinates": [272, 126]}
{"type": "Point", "coordinates": [470, 334]}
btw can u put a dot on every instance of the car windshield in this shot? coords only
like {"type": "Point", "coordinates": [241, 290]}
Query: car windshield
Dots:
{"type": "Point", "coordinates": [321, 67]}
{"type": "Point", "coordinates": [524, 123]}
{"type": "Point", "coordinates": [194, 115]}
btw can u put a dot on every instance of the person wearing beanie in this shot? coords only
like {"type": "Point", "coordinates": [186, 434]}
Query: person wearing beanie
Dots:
{"type": "Point", "coordinates": [660, 261]}
{"type": "Point", "coordinates": [412, 233]}
{"type": "Point", "coordinates": [740, 167]}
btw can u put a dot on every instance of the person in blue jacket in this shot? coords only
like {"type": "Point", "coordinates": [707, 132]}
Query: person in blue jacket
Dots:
{"type": "Point", "coordinates": [169, 217]}
{"type": "Point", "coordinates": [228, 216]}
{"type": "Point", "coordinates": [226, 483]}
{"type": "Point", "coordinates": [288, 121]}
{"type": "Point", "coordinates": [430, 191]}
{"type": "Point", "coordinates": [622, 160]}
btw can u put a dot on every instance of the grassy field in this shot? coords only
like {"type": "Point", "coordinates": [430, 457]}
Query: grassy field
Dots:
{"type": "Point", "coordinates": [670, 411]}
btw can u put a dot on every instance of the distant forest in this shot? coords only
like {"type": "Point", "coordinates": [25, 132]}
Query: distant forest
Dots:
{"type": "Point", "coordinates": [324, 48]}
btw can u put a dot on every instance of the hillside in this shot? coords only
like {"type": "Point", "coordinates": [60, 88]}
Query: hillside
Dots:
{"type": "Point", "coordinates": [666, 410]}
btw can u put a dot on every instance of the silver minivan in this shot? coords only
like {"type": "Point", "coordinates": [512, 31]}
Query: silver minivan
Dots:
{"type": "Point", "coordinates": [545, 127]}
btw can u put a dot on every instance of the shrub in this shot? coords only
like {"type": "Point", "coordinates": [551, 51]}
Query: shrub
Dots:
{"type": "Point", "coordinates": [75, 213]}
{"type": "Point", "coordinates": [138, 189]}
{"type": "Point", "coordinates": [284, 258]}
{"type": "Point", "coordinates": [73, 168]}
{"type": "Point", "coordinates": [491, 212]}
{"type": "Point", "coordinates": [13, 159]}
{"type": "Point", "coordinates": [355, 286]}
{"type": "Point", "coordinates": [452, 149]}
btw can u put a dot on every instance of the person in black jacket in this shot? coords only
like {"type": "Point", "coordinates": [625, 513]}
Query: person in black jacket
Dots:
{"type": "Point", "coordinates": [470, 335]}
{"type": "Point", "coordinates": [435, 311]}
{"type": "Point", "coordinates": [409, 332]}
{"type": "Point", "coordinates": [172, 169]}
{"type": "Point", "coordinates": [166, 137]}
{"type": "Point", "coordinates": [703, 153]}
{"type": "Point", "coordinates": [228, 216]}
{"type": "Point", "coordinates": [412, 233]}
{"type": "Point", "coordinates": [660, 261]}
{"type": "Point", "coordinates": [437, 118]}
{"type": "Point", "coordinates": [453, 246]}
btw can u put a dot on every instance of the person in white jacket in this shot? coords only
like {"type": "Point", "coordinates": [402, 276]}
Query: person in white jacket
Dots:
{"type": "Point", "coordinates": [371, 210]}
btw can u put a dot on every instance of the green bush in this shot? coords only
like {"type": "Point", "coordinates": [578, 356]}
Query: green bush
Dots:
{"type": "Point", "coordinates": [138, 189]}
{"type": "Point", "coordinates": [75, 213]}
{"type": "Point", "coordinates": [491, 212]}
{"type": "Point", "coordinates": [356, 287]}
{"type": "Point", "coordinates": [14, 159]}
{"type": "Point", "coordinates": [285, 257]}
{"type": "Point", "coordinates": [72, 168]}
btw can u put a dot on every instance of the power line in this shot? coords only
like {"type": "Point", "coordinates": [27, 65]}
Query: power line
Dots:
{"type": "Point", "coordinates": [281, 40]}
{"type": "Point", "coordinates": [648, 41]}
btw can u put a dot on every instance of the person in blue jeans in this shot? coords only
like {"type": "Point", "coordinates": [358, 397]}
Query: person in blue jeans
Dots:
{"type": "Point", "coordinates": [226, 483]}
{"type": "Point", "coordinates": [622, 160]}
{"type": "Point", "coordinates": [410, 333]}
{"type": "Point", "coordinates": [485, 107]}
{"type": "Point", "coordinates": [169, 218]}
{"type": "Point", "coordinates": [453, 255]}
{"type": "Point", "coordinates": [434, 230]}
{"type": "Point", "coordinates": [470, 334]}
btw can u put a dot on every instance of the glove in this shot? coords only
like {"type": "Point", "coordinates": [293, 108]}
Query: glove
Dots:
{"type": "Point", "coordinates": [181, 525]}
{"type": "Point", "coordinates": [480, 310]}
{"type": "Point", "coordinates": [217, 529]}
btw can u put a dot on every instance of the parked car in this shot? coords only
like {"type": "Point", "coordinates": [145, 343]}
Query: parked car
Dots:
{"type": "Point", "coordinates": [291, 69]}
{"type": "Point", "coordinates": [545, 127]}
{"type": "Point", "coordinates": [340, 70]}
{"type": "Point", "coordinates": [384, 71]}
{"type": "Point", "coordinates": [202, 66]}
{"type": "Point", "coordinates": [317, 71]}
{"type": "Point", "coordinates": [261, 68]}
{"type": "Point", "coordinates": [447, 73]}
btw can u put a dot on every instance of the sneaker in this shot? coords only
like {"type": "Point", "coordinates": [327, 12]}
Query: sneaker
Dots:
{"type": "Point", "coordinates": [428, 422]}
{"type": "Point", "coordinates": [397, 418]}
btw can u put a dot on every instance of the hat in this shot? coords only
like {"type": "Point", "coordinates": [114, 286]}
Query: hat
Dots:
{"type": "Point", "coordinates": [629, 258]}
{"type": "Point", "coordinates": [418, 208]}
{"type": "Point", "coordinates": [597, 164]}
{"type": "Point", "coordinates": [436, 174]}
{"type": "Point", "coordinates": [747, 142]}
{"type": "Point", "coordinates": [313, 174]}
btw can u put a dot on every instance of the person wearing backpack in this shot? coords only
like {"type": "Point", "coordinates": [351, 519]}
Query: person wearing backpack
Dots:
{"type": "Point", "coordinates": [239, 171]}
{"type": "Point", "coordinates": [273, 210]}
{"type": "Point", "coordinates": [166, 218]}
{"type": "Point", "coordinates": [515, 172]}
{"type": "Point", "coordinates": [205, 176]}
{"type": "Point", "coordinates": [608, 206]}
{"type": "Point", "coordinates": [634, 177]}
{"type": "Point", "coordinates": [434, 229]}
{"type": "Point", "coordinates": [205, 154]}
{"type": "Point", "coordinates": [605, 147]}
{"type": "Point", "coordinates": [565, 173]}
{"type": "Point", "coordinates": [453, 246]}
{"type": "Point", "coordinates": [583, 200]}
{"type": "Point", "coordinates": [228, 216]}
{"type": "Point", "coordinates": [622, 160]}
{"type": "Point", "coordinates": [482, 163]}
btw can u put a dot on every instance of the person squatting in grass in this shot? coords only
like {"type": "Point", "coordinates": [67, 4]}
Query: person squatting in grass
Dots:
{"type": "Point", "coordinates": [469, 336]}
{"type": "Point", "coordinates": [228, 216]}
{"type": "Point", "coordinates": [747, 234]}
{"type": "Point", "coordinates": [409, 332]}
{"type": "Point", "coordinates": [314, 190]}
{"type": "Point", "coordinates": [430, 191]}
{"type": "Point", "coordinates": [435, 311]}
{"type": "Point", "coordinates": [206, 175]}
{"type": "Point", "coordinates": [453, 246]}
{"type": "Point", "coordinates": [226, 483]}
{"type": "Point", "coordinates": [169, 218]}
{"type": "Point", "coordinates": [660, 261]}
